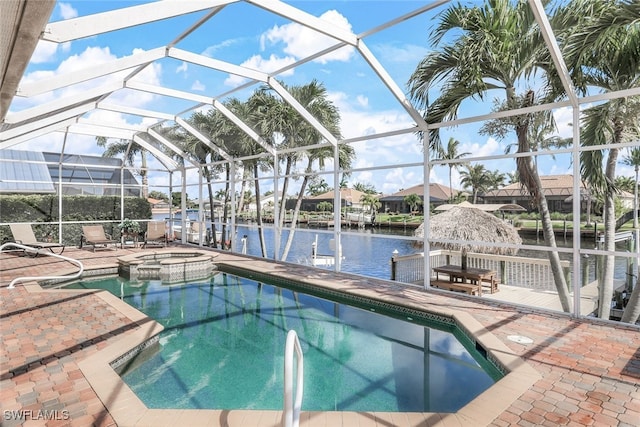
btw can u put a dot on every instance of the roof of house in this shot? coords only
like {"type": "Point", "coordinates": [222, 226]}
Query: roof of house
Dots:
{"type": "Point", "coordinates": [552, 185]}
{"type": "Point", "coordinates": [437, 192]}
{"type": "Point", "coordinates": [156, 201]}
{"type": "Point", "coordinates": [348, 194]}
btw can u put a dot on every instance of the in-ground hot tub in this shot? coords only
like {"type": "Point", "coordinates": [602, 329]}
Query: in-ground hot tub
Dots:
{"type": "Point", "coordinates": [168, 266]}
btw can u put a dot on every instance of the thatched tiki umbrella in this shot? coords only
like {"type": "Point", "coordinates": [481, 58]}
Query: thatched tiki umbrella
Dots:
{"type": "Point", "coordinates": [471, 225]}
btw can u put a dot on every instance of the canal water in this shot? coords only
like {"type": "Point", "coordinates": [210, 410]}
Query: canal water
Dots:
{"type": "Point", "coordinates": [368, 251]}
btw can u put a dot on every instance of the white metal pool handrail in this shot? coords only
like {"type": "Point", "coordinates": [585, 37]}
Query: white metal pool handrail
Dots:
{"type": "Point", "coordinates": [42, 252]}
{"type": "Point", "coordinates": [291, 416]}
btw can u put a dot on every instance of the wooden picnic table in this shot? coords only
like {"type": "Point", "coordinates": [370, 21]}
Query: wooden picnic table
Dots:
{"type": "Point", "coordinates": [467, 276]}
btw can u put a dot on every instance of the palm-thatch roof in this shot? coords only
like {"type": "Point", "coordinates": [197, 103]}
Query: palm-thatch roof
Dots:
{"type": "Point", "coordinates": [469, 227]}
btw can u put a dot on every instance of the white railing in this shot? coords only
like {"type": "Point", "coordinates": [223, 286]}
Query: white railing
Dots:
{"type": "Point", "coordinates": [532, 273]}
{"type": "Point", "coordinates": [291, 415]}
{"type": "Point", "coordinates": [42, 252]}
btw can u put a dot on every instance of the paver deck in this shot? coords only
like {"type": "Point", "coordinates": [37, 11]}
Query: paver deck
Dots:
{"type": "Point", "coordinates": [589, 371]}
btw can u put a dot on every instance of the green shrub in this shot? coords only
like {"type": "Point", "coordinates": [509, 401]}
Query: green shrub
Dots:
{"type": "Point", "coordinates": [36, 208]}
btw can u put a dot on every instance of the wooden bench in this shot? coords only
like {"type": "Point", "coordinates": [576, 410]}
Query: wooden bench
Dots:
{"type": "Point", "coordinates": [491, 282]}
{"type": "Point", "coordinates": [468, 288]}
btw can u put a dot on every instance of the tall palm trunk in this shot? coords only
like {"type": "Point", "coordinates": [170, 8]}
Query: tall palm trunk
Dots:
{"type": "Point", "coordinates": [144, 174]}
{"type": "Point", "coordinates": [451, 185]}
{"type": "Point", "coordinates": [225, 208]}
{"type": "Point", "coordinates": [529, 178]}
{"type": "Point", "coordinates": [285, 188]}
{"type": "Point", "coordinates": [211, 207]}
{"type": "Point", "coordinates": [263, 246]}
{"type": "Point", "coordinates": [296, 213]}
{"type": "Point", "coordinates": [243, 189]}
{"type": "Point", "coordinates": [631, 313]}
{"type": "Point", "coordinates": [605, 290]}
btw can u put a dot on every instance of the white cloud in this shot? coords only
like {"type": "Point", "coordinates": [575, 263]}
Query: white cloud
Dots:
{"type": "Point", "coordinates": [363, 101]}
{"type": "Point", "coordinates": [564, 118]}
{"type": "Point", "coordinates": [399, 149]}
{"type": "Point", "coordinates": [490, 147]}
{"type": "Point", "coordinates": [257, 62]}
{"type": "Point", "coordinates": [182, 68]}
{"type": "Point", "coordinates": [198, 86]}
{"type": "Point", "coordinates": [67, 11]}
{"type": "Point", "coordinates": [300, 41]}
{"type": "Point", "coordinates": [65, 47]}
{"type": "Point", "coordinates": [211, 50]}
{"type": "Point", "coordinates": [44, 52]}
{"type": "Point", "coordinates": [409, 53]}
{"type": "Point", "coordinates": [397, 179]}
{"type": "Point", "coordinates": [92, 56]}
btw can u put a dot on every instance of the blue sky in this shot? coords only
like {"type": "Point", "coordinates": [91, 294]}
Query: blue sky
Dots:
{"type": "Point", "coordinates": [246, 35]}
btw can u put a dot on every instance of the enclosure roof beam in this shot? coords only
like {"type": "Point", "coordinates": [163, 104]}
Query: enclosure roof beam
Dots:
{"type": "Point", "coordinates": [306, 20]}
{"type": "Point", "coordinates": [134, 111]}
{"type": "Point", "coordinates": [195, 132]}
{"type": "Point", "coordinates": [159, 90]}
{"type": "Point", "coordinates": [391, 85]}
{"type": "Point", "coordinates": [104, 22]}
{"type": "Point", "coordinates": [99, 70]}
{"type": "Point", "coordinates": [556, 54]}
{"type": "Point", "coordinates": [168, 162]}
{"type": "Point", "coordinates": [71, 113]}
{"type": "Point", "coordinates": [90, 129]}
{"type": "Point", "coordinates": [46, 108]}
{"type": "Point", "coordinates": [115, 125]}
{"type": "Point", "coordinates": [164, 141]}
{"type": "Point", "coordinates": [217, 65]}
{"type": "Point", "coordinates": [9, 142]}
{"type": "Point", "coordinates": [244, 127]}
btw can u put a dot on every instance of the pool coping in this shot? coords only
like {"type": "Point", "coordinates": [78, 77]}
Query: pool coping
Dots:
{"type": "Point", "coordinates": [127, 409]}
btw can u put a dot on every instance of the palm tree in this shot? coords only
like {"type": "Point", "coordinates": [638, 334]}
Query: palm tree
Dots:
{"type": "Point", "coordinates": [624, 183]}
{"type": "Point", "coordinates": [610, 62]}
{"type": "Point", "coordinates": [371, 201]}
{"type": "Point", "coordinates": [280, 118]}
{"type": "Point", "coordinates": [451, 153]}
{"type": "Point", "coordinates": [633, 159]}
{"type": "Point", "coordinates": [495, 180]}
{"type": "Point", "coordinates": [495, 47]}
{"type": "Point", "coordinates": [214, 125]}
{"type": "Point", "coordinates": [317, 185]}
{"type": "Point", "coordinates": [252, 112]}
{"type": "Point", "coordinates": [364, 188]}
{"type": "Point", "coordinates": [477, 178]}
{"type": "Point", "coordinates": [413, 201]}
{"type": "Point", "coordinates": [130, 149]}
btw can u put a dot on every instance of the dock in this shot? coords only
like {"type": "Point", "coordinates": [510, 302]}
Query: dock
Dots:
{"type": "Point", "coordinates": [545, 299]}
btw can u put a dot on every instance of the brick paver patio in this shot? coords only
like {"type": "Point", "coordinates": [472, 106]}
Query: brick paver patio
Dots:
{"type": "Point", "coordinates": [590, 370]}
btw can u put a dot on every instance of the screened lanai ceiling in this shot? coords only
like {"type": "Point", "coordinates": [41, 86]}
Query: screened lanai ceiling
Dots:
{"type": "Point", "coordinates": [66, 101]}
{"type": "Point", "coordinates": [69, 113]}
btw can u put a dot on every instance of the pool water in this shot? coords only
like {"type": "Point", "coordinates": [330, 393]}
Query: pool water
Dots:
{"type": "Point", "coordinates": [223, 348]}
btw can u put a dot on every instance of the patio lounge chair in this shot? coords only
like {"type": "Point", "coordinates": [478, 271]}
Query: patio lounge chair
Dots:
{"type": "Point", "coordinates": [155, 235]}
{"type": "Point", "coordinates": [95, 236]}
{"type": "Point", "coordinates": [23, 234]}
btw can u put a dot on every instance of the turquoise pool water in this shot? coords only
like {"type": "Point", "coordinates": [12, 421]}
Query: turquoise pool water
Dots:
{"type": "Point", "coordinates": [223, 348]}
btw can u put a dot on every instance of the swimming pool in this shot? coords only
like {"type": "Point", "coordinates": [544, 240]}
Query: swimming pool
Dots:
{"type": "Point", "coordinates": [223, 347]}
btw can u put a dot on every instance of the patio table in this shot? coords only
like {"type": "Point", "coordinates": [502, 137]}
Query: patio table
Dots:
{"type": "Point", "coordinates": [476, 276]}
